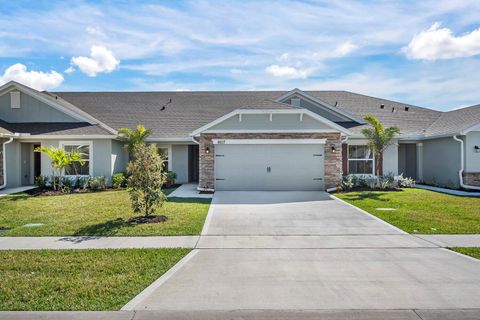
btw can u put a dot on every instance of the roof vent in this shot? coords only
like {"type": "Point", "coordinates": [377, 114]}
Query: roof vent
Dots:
{"type": "Point", "coordinates": [407, 108]}
{"type": "Point", "coordinates": [15, 99]}
{"type": "Point", "coordinates": [295, 102]}
{"type": "Point", "coordinates": [336, 103]}
{"type": "Point", "coordinates": [393, 109]}
{"type": "Point", "coordinates": [382, 106]}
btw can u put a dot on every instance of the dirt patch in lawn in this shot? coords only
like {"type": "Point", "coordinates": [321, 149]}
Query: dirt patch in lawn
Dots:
{"type": "Point", "coordinates": [148, 219]}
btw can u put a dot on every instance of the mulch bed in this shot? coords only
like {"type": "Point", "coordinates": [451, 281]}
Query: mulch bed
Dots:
{"type": "Point", "coordinates": [37, 192]}
{"type": "Point", "coordinates": [148, 219]}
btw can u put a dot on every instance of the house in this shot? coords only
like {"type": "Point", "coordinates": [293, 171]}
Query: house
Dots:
{"type": "Point", "coordinates": [255, 140]}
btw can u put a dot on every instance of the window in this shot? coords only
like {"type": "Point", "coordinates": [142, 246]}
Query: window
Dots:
{"type": "Point", "coordinates": [163, 152]}
{"type": "Point", "coordinates": [360, 160]}
{"type": "Point", "coordinates": [84, 149]}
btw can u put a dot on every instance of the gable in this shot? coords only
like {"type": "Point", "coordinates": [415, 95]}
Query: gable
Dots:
{"type": "Point", "coordinates": [264, 122]}
{"type": "Point", "coordinates": [273, 120]}
{"type": "Point", "coordinates": [318, 106]}
{"type": "Point", "coordinates": [31, 110]}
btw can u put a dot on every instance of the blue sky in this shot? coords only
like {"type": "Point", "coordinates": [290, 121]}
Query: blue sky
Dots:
{"type": "Point", "coordinates": [420, 52]}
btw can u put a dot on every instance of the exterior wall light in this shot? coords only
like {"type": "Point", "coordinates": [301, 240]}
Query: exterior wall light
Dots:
{"type": "Point", "coordinates": [477, 148]}
{"type": "Point", "coordinates": [207, 150]}
{"type": "Point", "coordinates": [332, 146]}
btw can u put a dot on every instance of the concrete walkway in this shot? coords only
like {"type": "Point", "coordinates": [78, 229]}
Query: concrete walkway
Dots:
{"type": "Point", "coordinates": [452, 240]}
{"type": "Point", "coordinates": [37, 243]}
{"type": "Point", "coordinates": [189, 190]}
{"type": "Point", "coordinates": [8, 191]}
{"type": "Point", "coordinates": [418, 314]}
{"type": "Point", "coordinates": [453, 192]}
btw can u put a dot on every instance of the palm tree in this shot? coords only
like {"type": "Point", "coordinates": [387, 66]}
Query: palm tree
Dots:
{"type": "Point", "coordinates": [379, 138]}
{"type": "Point", "coordinates": [60, 160]}
{"type": "Point", "coordinates": [134, 137]}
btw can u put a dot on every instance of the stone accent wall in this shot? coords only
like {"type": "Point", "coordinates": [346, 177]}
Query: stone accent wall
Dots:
{"type": "Point", "coordinates": [471, 178]}
{"type": "Point", "coordinates": [332, 160]}
{"type": "Point", "coordinates": [1, 161]}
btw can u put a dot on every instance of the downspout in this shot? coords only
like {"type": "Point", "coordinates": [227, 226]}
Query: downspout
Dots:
{"type": "Point", "coordinates": [4, 156]}
{"type": "Point", "coordinates": [460, 172]}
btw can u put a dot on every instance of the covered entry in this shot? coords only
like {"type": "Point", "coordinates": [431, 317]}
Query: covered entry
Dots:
{"type": "Point", "coordinates": [269, 164]}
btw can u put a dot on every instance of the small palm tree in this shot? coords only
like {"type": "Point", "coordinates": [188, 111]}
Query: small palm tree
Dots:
{"type": "Point", "coordinates": [60, 160]}
{"type": "Point", "coordinates": [379, 138]}
{"type": "Point", "coordinates": [134, 137]}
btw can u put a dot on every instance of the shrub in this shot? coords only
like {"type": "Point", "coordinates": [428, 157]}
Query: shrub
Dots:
{"type": "Point", "coordinates": [97, 183]}
{"type": "Point", "coordinates": [82, 182]}
{"type": "Point", "coordinates": [171, 176]}
{"type": "Point", "coordinates": [406, 182]}
{"type": "Point", "coordinates": [118, 180]}
{"type": "Point", "coordinates": [146, 179]}
{"type": "Point", "coordinates": [67, 184]}
{"type": "Point", "coordinates": [42, 182]}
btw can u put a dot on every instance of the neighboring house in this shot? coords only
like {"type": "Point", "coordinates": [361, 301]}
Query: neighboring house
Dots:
{"type": "Point", "coordinates": [264, 140]}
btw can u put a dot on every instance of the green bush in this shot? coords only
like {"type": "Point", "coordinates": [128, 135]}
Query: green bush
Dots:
{"type": "Point", "coordinates": [42, 182]}
{"type": "Point", "coordinates": [119, 180]}
{"type": "Point", "coordinates": [97, 183]}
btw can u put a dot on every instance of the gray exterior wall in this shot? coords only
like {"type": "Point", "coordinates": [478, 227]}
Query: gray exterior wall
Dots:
{"type": "Point", "coordinates": [472, 158]}
{"type": "Point", "coordinates": [390, 160]}
{"type": "Point", "coordinates": [119, 157]}
{"type": "Point", "coordinates": [31, 110]}
{"type": "Point", "coordinates": [441, 162]}
{"type": "Point", "coordinates": [262, 122]}
{"type": "Point", "coordinates": [180, 162]}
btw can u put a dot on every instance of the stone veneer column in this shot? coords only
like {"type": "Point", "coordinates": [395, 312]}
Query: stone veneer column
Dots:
{"type": "Point", "coordinates": [471, 178]}
{"type": "Point", "coordinates": [332, 160]}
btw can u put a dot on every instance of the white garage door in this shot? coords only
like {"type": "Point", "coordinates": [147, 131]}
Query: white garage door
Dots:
{"type": "Point", "coordinates": [269, 167]}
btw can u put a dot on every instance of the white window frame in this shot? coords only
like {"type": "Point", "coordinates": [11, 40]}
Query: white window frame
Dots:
{"type": "Point", "coordinates": [169, 154]}
{"type": "Point", "coordinates": [360, 159]}
{"type": "Point", "coordinates": [90, 155]}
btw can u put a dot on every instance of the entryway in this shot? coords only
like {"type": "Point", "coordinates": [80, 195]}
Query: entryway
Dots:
{"type": "Point", "coordinates": [30, 163]}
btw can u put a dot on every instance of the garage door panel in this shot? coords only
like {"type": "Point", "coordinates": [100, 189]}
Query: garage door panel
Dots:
{"type": "Point", "coordinates": [269, 167]}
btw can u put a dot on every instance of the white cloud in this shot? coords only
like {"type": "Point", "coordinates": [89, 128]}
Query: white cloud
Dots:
{"type": "Point", "coordinates": [345, 49]}
{"type": "Point", "coordinates": [440, 43]}
{"type": "Point", "coordinates": [35, 79]}
{"type": "Point", "coordinates": [101, 60]}
{"type": "Point", "coordinates": [288, 72]}
{"type": "Point", "coordinates": [69, 70]}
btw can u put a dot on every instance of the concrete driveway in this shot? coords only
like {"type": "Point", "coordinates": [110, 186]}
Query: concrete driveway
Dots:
{"type": "Point", "coordinates": [304, 250]}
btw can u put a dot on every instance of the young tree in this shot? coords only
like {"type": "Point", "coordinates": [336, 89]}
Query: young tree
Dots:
{"type": "Point", "coordinates": [60, 159]}
{"type": "Point", "coordinates": [134, 137]}
{"type": "Point", "coordinates": [146, 179]}
{"type": "Point", "coordinates": [379, 138]}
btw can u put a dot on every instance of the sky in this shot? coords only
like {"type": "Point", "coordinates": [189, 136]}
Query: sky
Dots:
{"type": "Point", "coordinates": [425, 53]}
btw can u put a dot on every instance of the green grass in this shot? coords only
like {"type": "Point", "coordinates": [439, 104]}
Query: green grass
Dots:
{"type": "Point", "coordinates": [472, 252]}
{"type": "Point", "coordinates": [421, 211]}
{"type": "Point", "coordinates": [79, 279]}
{"type": "Point", "coordinates": [96, 214]}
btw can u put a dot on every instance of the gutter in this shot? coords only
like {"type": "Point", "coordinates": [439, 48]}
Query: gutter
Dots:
{"type": "Point", "coordinates": [4, 156]}
{"type": "Point", "coordinates": [462, 168]}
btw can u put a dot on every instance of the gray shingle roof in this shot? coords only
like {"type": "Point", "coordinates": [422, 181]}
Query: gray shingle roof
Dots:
{"type": "Point", "coordinates": [456, 121]}
{"type": "Point", "coordinates": [54, 128]}
{"type": "Point", "coordinates": [189, 111]}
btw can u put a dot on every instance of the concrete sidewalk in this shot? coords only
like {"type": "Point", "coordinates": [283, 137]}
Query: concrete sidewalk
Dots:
{"type": "Point", "coordinates": [37, 243]}
{"type": "Point", "coordinates": [407, 314]}
{"type": "Point", "coordinates": [452, 240]}
{"type": "Point", "coordinates": [245, 242]}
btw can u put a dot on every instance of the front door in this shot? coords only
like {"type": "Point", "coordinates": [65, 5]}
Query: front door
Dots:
{"type": "Point", "coordinates": [37, 162]}
{"type": "Point", "coordinates": [193, 163]}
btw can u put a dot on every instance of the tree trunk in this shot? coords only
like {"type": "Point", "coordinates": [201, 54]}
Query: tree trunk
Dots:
{"type": "Point", "coordinates": [379, 165]}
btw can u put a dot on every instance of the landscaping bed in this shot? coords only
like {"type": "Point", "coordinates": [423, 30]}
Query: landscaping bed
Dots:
{"type": "Point", "coordinates": [104, 213]}
{"type": "Point", "coordinates": [79, 279]}
{"type": "Point", "coordinates": [420, 211]}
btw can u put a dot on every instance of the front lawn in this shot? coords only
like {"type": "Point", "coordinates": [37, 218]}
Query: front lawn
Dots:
{"type": "Point", "coordinates": [420, 211]}
{"type": "Point", "coordinates": [79, 279]}
{"type": "Point", "coordinates": [95, 214]}
{"type": "Point", "coordinates": [472, 252]}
